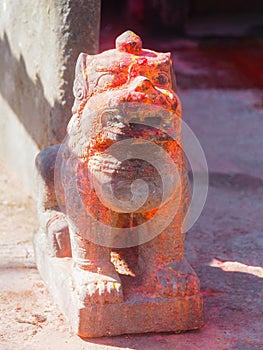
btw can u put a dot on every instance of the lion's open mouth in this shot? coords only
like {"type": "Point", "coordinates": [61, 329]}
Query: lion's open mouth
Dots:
{"type": "Point", "coordinates": [130, 142]}
{"type": "Point", "coordinates": [130, 162]}
{"type": "Point", "coordinates": [133, 131]}
{"type": "Point", "coordinates": [137, 122]}
{"type": "Point", "coordinates": [136, 131]}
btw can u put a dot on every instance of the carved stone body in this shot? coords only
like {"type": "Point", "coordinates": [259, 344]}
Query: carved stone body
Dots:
{"type": "Point", "coordinates": [108, 275]}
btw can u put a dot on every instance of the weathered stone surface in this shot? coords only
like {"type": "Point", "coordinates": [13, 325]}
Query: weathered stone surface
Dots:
{"type": "Point", "coordinates": [127, 273]}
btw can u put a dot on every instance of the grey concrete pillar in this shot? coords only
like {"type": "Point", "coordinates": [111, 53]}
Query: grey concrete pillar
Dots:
{"type": "Point", "coordinates": [39, 44]}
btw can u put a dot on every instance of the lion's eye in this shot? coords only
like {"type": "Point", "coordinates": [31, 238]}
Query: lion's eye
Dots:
{"type": "Point", "coordinates": [110, 80]}
{"type": "Point", "coordinates": [105, 80]}
{"type": "Point", "coordinates": [162, 79]}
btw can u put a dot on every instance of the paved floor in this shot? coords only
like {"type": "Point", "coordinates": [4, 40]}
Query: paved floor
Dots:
{"type": "Point", "coordinates": [221, 90]}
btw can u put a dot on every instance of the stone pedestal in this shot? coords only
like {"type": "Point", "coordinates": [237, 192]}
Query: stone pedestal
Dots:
{"type": "Point", "coordinates": [138, 313]}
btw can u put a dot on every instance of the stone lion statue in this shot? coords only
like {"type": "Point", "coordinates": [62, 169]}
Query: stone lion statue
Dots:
{"type": "Point", "coordinates": [113, 198]}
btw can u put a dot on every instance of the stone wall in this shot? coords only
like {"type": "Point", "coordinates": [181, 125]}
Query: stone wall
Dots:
{"type": "Point", "coordinates": [39, 44]}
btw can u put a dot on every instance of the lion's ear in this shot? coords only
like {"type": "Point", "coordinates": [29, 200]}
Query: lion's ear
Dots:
{"type": "Point", "coordinates": [80, 86]}
{"type": "Point", "coordinates": [173, 78]}
{"type": "Point", "coordinates": [169, 62]}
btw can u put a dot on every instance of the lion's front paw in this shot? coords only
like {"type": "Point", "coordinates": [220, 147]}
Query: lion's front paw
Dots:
{"type": "Point", "coordinates": [176, 279]}
{"type": "Point", "coordinates": [58, 236]}
{"type": "Point", "coordinates": [97, 288]}
{"type": "Point", "coordinates": [171, 282]}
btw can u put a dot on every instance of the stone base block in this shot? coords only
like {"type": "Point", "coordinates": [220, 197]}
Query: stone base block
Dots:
{"type": "Point", "coordinates": [137, 313]}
